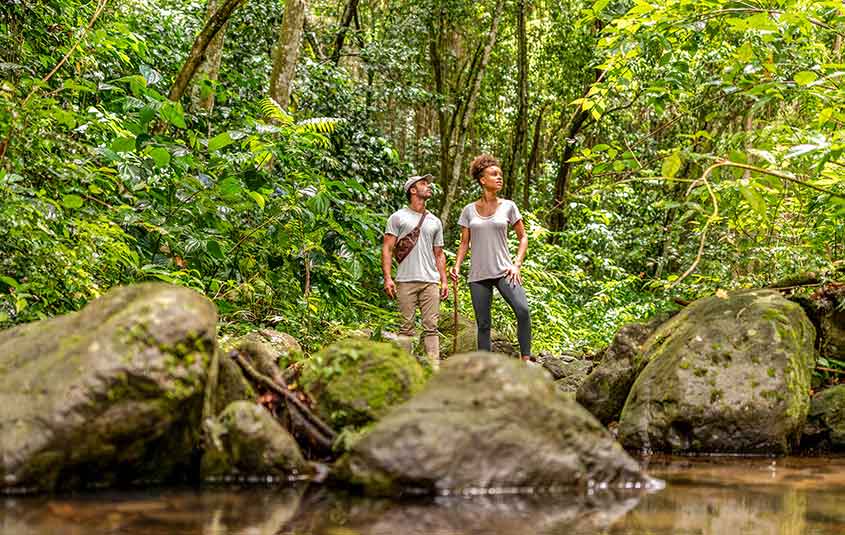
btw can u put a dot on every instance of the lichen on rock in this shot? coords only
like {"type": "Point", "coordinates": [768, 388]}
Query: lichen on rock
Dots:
{"type": "Point", "coordinates": [111, 393]}
{"type": "Point", "coordinates": [487, 421]}
{"type": "Point", "coordinates": [727, 374]}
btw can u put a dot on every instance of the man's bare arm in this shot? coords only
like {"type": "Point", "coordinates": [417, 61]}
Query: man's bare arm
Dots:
{"type": "Point", "coordinates": [387, 246]}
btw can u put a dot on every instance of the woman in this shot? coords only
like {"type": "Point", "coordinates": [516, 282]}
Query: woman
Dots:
{"type": "Point", "coordinates": [484, 226]}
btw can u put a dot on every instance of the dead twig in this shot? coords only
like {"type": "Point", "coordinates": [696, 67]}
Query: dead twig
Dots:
{"type": "Point", "coordinates": [317, 430]}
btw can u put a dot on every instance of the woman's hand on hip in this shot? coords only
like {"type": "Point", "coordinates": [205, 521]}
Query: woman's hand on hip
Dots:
{"type": "Point", "coordinates": [514, 276]}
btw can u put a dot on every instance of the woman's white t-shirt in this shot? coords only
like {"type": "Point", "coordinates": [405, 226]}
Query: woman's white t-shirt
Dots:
{"type": "Point", "coordinates": [489, 239]}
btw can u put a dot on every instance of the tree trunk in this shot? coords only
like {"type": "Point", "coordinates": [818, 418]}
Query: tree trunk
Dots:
{"type": "Point", "coordinates": [557, 218]}
{"type": "Point", "coordinates": [519, 133]}
{"type": "Point", "coordinates": [287, 52]}
{"type": "Point", "coordinates": [532, 160]}
{"type": "Point", "coordinates": [348, 15]}
{"type": "Point", "coordinates": [203, 40]}
{"type": "Point", "coordinates": [436, 45]}
{"type": "Point", "coordinates": [474, 89]}
{"type": "Point", "coordinates": [210, 68]}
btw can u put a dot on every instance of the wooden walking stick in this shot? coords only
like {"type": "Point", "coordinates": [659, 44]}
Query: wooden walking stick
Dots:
{"type": "Point", "coordinates": [455, 316]}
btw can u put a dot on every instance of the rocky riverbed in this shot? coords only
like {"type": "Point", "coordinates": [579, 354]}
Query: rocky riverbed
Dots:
{"type": "Point", "coordinates": [136, 388]}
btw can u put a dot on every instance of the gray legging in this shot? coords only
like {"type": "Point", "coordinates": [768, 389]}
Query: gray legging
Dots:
{"type": "Point", "coordinates": [482, 300]}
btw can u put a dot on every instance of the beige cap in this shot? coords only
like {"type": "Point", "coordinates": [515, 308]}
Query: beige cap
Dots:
{"type": "Point", "coordinates": [414, 179]}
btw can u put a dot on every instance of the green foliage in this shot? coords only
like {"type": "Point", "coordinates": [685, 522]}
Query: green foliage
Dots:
{"type": "Point", "coordinates": [277, 214]}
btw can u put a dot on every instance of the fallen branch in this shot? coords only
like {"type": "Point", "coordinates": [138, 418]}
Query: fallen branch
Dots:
{"type": "Point", "coordinates": [831, 370]}
{"type": "Point", "coordinates": [317, 430]}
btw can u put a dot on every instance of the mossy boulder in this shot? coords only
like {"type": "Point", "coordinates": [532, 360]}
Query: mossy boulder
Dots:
{"type": "Point", "coordinates": [727, 374]}
{"type": "Point", "coordinates": [467, 336]}
{"type": "Point", "coordinates": [604, 391]}
{"type": "Point", "coordinates": [486, 421]}
{"type": "Point", "coordinates": [826, 309]}
{"type": "Point", "coordinates": [231, 385]}
{"type": "Point", "coordinates": [246, 440]}
{"type": "Point", "coordinates": [112, 393]}
{"type": "Point", "coordinates": [825, 427]}
{"type": "Point", "coordinates": [357, 381]}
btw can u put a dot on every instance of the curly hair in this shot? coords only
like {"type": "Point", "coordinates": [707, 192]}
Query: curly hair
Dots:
{"type": "Point", "coordinates": [480, 163]}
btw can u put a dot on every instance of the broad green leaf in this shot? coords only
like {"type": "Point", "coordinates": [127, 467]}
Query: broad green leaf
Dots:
{"type": "Point", "coordinates": [173, 113]}
{"type": "Point", "coordinates": [754, 199]}
{"type": "Point", "coordinates": [229, 187]}
{"type": "Point", "coordinates": [800, 150]}
{"type": "Point", "coordinates": [258, 198]}
{"type": "Point", "coordinates": [213, 249]}
{"type": "Point", "coordinates": [219, 141]}
{"type": "Point", "coordinates": [805, 77]}
{"type": "Point", "coordinates": [671, 165]}
{"type": "Point", "coordinates": [599, 5]}
{"type": "Point", "coordinates": [762, 22]}
{"type": "Point", "coordinates": [745, 52]}
{"type": "Point", "coordinates": [72, 201]}
{"type": "Point", "coordinates": [825, 115]}
{"type": "Point", "coordinates": [65, 117]}
{"type": "Point", "coordinates": [9, 281]}
{"type": "Point", "coordinates": [160, 156]}
{"type": "Point", "coordinates": [123, 144]}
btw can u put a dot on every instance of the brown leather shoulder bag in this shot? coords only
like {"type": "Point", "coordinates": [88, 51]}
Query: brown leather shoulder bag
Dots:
{"type": "Point", "coordinates": [407, 242]}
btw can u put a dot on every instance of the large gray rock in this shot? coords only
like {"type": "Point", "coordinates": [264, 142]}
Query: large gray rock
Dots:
{"type": "Point", "coordinates": [245, 440]}
{"type": "Point", "coordinates": [111, 393]}
{"type": "Point", "coordinates": [727, 374]}
{"type": "Point", "coordinates": [606, 388]}
{"type": "Point", "coordinates": [486, 420]}
{"type": "Point", "coordinates": [825, 427]}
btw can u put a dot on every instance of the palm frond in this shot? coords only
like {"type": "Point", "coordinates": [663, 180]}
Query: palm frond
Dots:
{"type": "Point", "coordinates": [271, 109]}
{"type": "Point", "coordinates": [320, 125]}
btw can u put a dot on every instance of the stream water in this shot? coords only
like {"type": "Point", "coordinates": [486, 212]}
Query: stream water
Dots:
{"type": "Point", "coordinates": [704, 495]}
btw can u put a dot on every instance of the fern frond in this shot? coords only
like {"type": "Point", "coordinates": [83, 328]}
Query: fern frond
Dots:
{"type": "Point", "coordinates": [320, 125]}
{"type": "Point", "coordinates": [271, 109]}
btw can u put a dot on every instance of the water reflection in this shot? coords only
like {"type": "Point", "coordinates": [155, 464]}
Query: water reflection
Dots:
{"type": "Point", "coordinates": [252, 511]}
{"type": "Point", "coordinates": [325, 513]}
{"type": "Point", "coordinates": [703, 496]}
{"type": "Point", "coordinates": [793, 496]}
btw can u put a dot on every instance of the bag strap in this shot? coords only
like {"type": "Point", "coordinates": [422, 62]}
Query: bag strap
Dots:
{"type": "Point", "coordinates": [419, 224]}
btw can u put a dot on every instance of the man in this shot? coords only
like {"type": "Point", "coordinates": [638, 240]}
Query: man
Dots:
{"type": "Point", "coordinates": [421, 277]}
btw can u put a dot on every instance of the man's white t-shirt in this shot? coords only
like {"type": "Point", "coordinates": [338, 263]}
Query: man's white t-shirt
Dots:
{"type": "Point", "coordinates": [419, 265]}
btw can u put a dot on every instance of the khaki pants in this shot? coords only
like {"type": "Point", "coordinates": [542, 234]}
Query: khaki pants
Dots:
{"type": "Point", "coordinates": [426, 296]}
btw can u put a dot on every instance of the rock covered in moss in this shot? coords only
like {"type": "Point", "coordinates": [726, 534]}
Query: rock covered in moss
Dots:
{"type": "Point", "coordinates": [231, 385]}
{"type": "Point", "coordinates": [605, 389]}
{"type": "Point", "coordinates": [111, 393]}
{"type": "Point", "coordinates": [467, 337]}
{"type": "Point", "coordinates": [825, 427]}
{"type": "Point", "coordinates": [490, 421]}
{"type": "Point", "coordinates": [727, 374]}
{"type": "Point", "coordinates": [357, 381]}
{"type": "Point", "coordinates": [246, 440]}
